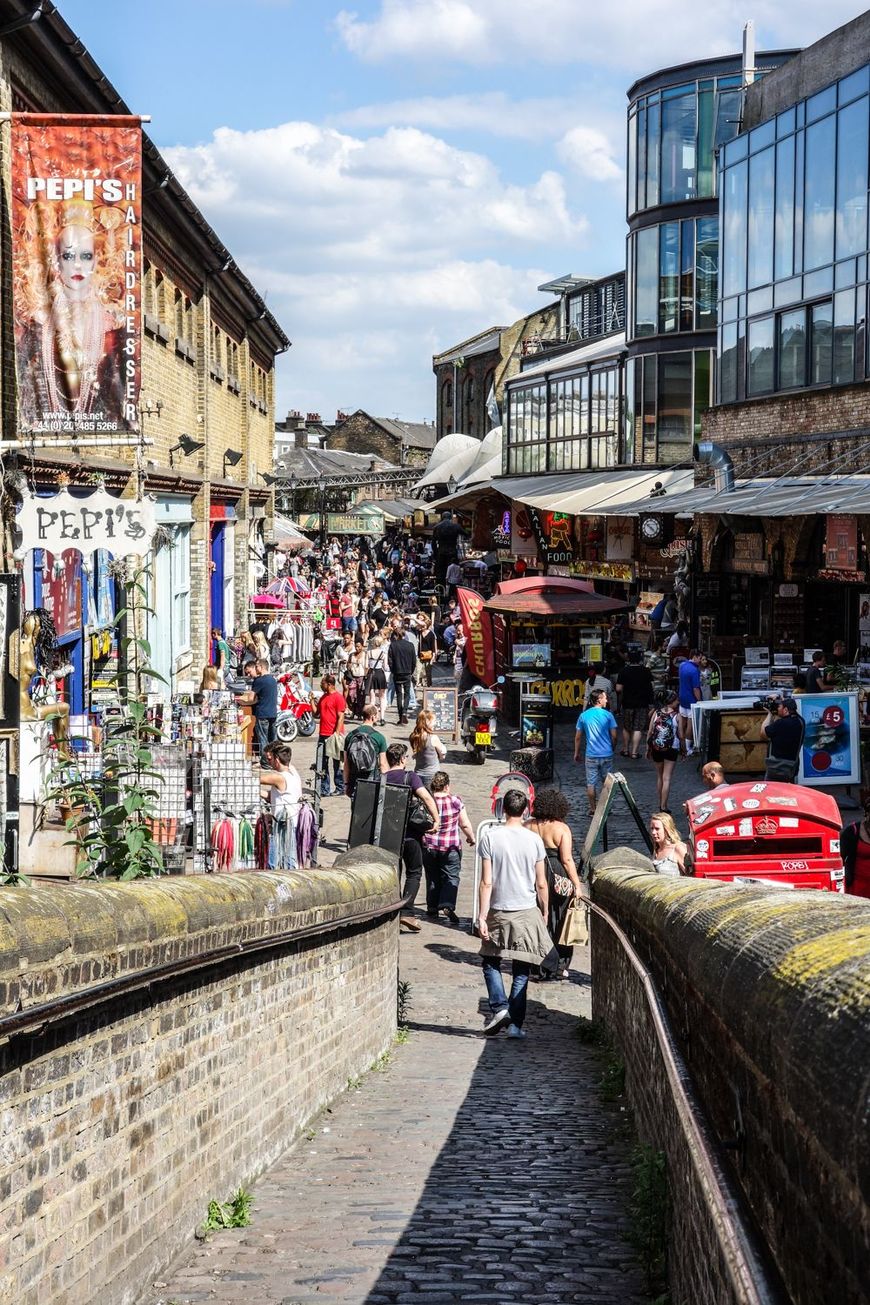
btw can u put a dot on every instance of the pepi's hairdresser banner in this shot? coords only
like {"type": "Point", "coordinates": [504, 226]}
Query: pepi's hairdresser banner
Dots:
{"type": "Point", "coordinates": [478, 635]}
{"type": "Point", "coordinates": [77, 272]}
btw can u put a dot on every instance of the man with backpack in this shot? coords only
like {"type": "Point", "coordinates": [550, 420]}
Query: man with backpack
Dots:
{"type": "Point", "coordinates": [365, 751]}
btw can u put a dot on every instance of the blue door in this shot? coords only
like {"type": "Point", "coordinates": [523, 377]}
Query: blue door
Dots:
{"type": "Point", "coordinates": [217, 575]}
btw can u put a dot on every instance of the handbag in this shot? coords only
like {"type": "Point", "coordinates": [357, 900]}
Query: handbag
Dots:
{"type": "Point", "coordinates": [420, 821]}
{"type": "Point", "coordinates": [575, 930]}
{"type": "Point", "coordinates": [562, 885]}
{"type": "Point", "coordinates": [781, 769]}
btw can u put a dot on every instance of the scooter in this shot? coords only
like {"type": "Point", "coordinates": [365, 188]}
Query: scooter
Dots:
{"type": "Point", "coordinates": [477, 719]}
{"type": "Point", "coordinates": [295, 709]}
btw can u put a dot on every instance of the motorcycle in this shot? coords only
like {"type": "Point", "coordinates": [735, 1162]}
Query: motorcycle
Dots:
{"type": "Point", "coordinates": [295, 709]}
{"type": "Point", "coordinates": [477, 719]}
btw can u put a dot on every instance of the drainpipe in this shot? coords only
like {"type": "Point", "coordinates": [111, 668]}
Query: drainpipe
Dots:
{"type": "Point", "coordinates": [713, 455]}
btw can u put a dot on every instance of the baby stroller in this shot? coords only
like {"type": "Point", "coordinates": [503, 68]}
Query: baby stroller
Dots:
{"type": "Point", "coordinates": [504, 783]}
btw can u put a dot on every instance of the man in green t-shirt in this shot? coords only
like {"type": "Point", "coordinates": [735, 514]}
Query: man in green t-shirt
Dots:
{"type": "Point", "coordinates": [365, 751]}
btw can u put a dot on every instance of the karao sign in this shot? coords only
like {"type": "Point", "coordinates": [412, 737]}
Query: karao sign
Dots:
{"type": "Point", "coordinates": [122, 526]}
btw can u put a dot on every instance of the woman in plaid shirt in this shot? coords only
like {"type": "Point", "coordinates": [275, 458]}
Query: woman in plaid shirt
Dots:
{"type": "Point", "coordinates": [442, 850]}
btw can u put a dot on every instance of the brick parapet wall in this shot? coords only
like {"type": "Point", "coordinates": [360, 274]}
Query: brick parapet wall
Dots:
{"type": "Point", "coordinates": [124, 1120]}
{"type": "Point", "coordinates": [769, 998]}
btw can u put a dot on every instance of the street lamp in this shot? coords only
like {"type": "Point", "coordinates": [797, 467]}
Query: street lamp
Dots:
{"type": "Point", "coordinates": [321, 488]}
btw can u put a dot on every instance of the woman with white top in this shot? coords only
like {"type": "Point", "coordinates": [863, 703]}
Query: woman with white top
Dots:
{"type": "Point", "coordinates": [429, 752]}
{"type": "Point", "coordinates": [378, 654]}
{"type": "Point", "coordinates": [283, 787]}
{"type": "Point", "coordinates": [669, 852]}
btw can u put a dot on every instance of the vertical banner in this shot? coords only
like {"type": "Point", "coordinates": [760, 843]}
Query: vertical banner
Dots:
{"type": "Point", "coordinates": [478, 630]}
{"type": "Point", "coordinates": [77, 272]}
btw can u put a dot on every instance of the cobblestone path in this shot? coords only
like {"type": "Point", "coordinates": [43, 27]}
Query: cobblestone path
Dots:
{"type": "Point", "coordinates": [464, 1169]}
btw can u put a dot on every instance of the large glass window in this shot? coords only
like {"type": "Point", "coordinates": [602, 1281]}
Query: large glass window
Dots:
{"type": "Point", "coordinates": [852, 142]}
{"type": "Point", "coordinates": [819, 193]}
{"type": "Point", "coordinates": [675, 414]}
{"type": "Point", "coordinates": [678, 146]}
{"type": "Point", "coordinates": [821, 331]}
{"type": "Point", "coordinates": [706, 272]}
{"type": "Point", "coordinates": [646, 282]}
{"type": "Point", "coordinates": [703, 391]}
{"type": "Point", "coordinates": [760, 261]}
{"type": "Point", "coordinates": [728, 363]}
{"type": "Point", "coordinates": [761, 356]}
{"type": "Point", "coordinates": [844, 338]}
{"type": "Point", "coordinates": [669, 263]}
{"type": "Point", "coordinates": [672, 137]}
{"type": "Point", "coordinates": [792, 343]}
{"type": "Point", "coordinates": [734, 230]}
{"type": "Point", "coordinates": [784, 218]}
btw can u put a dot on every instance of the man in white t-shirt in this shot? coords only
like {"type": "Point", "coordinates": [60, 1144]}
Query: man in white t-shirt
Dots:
{"type": "Point", "coordinates": [512, 908]}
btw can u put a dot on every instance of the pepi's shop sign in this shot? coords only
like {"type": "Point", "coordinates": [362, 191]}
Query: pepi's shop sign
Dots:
{"type": "Point", "coordinates": [121, 526]}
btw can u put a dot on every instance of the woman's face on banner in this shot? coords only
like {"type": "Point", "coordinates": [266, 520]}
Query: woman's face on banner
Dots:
{"type": "Point", "coordinates": [75, 249]}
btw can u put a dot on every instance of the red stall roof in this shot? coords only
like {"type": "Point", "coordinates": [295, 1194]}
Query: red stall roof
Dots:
{"type": "Point", "coordinates": [557, 602]}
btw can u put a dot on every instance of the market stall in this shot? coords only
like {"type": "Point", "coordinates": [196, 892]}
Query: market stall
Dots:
{"type": "Point", "coordinates": [546, 630]}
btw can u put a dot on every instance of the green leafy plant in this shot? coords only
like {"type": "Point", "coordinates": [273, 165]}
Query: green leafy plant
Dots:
{"type": "Point", "coordinates": [649, 1217]}
{"type": "Point", "coordinates": [403, 1033]}
{"type": "Point", "coordinates": [613, 1078]}
{"type": "Point", "coordinates": [592, 1033]}
{"type": "Point", "coordinates": [235, 1213]}
{"type": "Point", "coordinates": [112, 815]}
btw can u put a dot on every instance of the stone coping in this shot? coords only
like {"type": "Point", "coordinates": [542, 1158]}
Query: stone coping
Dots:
{"type": "Point", "coordinates": [61, 940]}
{"type": "Point", "coordinates": [786, 972]}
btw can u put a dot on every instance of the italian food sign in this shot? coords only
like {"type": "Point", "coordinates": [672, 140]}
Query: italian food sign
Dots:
{"type": "Point", "coordinates": [77, 260]}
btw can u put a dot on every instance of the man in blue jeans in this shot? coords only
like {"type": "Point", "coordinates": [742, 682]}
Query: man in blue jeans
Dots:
{"type": "Point", "coordinates": [599, 728]}
{"type": "Point", "coordinates": [512, 910]}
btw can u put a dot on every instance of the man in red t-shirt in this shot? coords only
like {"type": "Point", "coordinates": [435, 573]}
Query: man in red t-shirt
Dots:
{"type": "Point", "coordinates": [330, 712]}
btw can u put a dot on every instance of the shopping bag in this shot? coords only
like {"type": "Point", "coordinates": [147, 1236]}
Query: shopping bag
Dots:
{"type": "Point", "coordinates": [575, 930]}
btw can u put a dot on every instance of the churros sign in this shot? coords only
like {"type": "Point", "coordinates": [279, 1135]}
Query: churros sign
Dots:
{"type": "Point", "coordinates": [478, 632]}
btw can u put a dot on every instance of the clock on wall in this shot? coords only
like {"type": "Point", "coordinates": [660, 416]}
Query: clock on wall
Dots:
{"type": "Point", "coordinates": [651, 529]}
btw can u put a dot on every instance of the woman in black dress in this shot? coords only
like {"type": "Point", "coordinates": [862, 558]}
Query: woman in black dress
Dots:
{"type": "Point", "coordinates": [549, 814]}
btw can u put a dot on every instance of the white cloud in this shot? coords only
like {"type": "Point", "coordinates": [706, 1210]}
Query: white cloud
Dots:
{"type": "Point", "coordinates": [377, 251]}
{"type": "Point", "coordinates": [589, 152]}
{"type": "Point", "coordinates": [491, 112]}
{"type": "Point", "coordinates": [640, 35]}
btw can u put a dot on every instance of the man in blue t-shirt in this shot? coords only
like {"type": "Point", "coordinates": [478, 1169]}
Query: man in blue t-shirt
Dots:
{"type": "Point", "coordinates": [690, 691]}
{"type": "Point", "coordinates": [599, 728]}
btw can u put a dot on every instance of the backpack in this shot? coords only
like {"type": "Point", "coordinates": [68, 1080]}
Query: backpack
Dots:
{"type": "Point", "coordinates": [362, 754]}
{"type": "Point", "coordinates": [663, 734]}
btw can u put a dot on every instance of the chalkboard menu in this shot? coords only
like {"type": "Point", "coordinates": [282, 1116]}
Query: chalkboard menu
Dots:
{"type": "Point", "coordinates": [443, 704]}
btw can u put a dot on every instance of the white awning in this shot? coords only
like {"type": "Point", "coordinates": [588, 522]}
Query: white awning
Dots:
{"type": "Point", "coordinates": [598, 493]}
{"type": "Point", "coordinates": [584, 356]}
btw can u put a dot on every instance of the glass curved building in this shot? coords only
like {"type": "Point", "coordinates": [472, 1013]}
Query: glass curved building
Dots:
{"type": "Point", "coordinates": [678, 120]}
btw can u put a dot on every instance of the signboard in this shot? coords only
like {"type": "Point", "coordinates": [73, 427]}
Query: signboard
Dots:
{"type": "Point", "coordinates": [77, 271]}
{"type": "Point", "coordinates": [620, 539]}
{"type": "Point", "coordinates": [553, 533]}
{"type": "Point", "coordinates": [603, 571]}
{"type": "Point", "coordinates": [62, 592]}
{"type": "Point", "coordinates": [841, 543]}
{"type": "Point", "coordinates": [749, 555]}
{"type": "Point", "coordinates": [122, 526]}
{"type": "Point", "coordinates": [830, 753]}
{"type": "Point", "coordinates": [864, 620]}
{"type": "Point", "coordinates": [443, 704]}
{"type": "Point", "coordinates": [530, 656]}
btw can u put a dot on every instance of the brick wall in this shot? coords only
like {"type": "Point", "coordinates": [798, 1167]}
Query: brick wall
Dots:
{"type": "Point", "coordinates": [122, 1122]}
{"type": "Point", "coordinates": [789, 425]}
{"type": "Point", "coordinates": [768, 996]}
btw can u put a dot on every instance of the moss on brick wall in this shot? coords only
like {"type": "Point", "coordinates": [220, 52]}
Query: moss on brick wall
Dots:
{"type": "Point", "coordinates": [122, 1121]}
{"type": "Point", "coordinates": [769, 994]}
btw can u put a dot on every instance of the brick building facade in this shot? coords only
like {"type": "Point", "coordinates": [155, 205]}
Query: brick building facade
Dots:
{"type": "Point", "coordinates": [208, 355]}
{"type": "Point", "coordinates": [468, 373]}
{"type": "Point", "coordinates": [403, 443]}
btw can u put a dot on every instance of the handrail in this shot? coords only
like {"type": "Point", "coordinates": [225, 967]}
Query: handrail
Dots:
{"type": "Point", "coordinates": [754, 1279]}
{"type": "Point", "coordinates": [35, 1018]}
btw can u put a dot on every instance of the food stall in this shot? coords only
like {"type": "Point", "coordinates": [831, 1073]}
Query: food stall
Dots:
{"type": "Point", "coordinates": [546, 629]}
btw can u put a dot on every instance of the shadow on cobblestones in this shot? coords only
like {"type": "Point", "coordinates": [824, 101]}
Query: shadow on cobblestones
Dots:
{"type": "Point", "coordinates": [526, 1198]}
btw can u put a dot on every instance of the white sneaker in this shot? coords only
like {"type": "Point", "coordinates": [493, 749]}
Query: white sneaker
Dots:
{"type": "Point", "coordinates": [495, 1022]}
{"type": "Point", "coordinates": [514, 1032]}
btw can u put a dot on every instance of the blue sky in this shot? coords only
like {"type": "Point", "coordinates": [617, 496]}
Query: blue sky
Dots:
{"type": "Point", "coordinates": [400, 174]}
